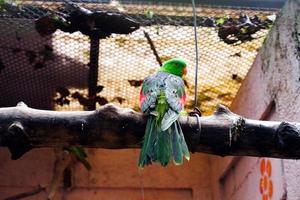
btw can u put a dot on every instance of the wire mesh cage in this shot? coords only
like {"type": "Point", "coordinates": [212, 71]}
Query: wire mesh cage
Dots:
{"type": "Point", "coordinates": [50, 71]}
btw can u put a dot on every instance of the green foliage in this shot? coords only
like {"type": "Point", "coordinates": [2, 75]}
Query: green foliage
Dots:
{"type": "Point", "coordinates": [2, 2]}
{"type": "Point", "coordinates": [149, 13]}
{"type": "Point", "coordinates": [221, 21]}
{"type": "Point", "coordinates": [14, 2]}
{"type": "Point", "coordinates": [80, 154]}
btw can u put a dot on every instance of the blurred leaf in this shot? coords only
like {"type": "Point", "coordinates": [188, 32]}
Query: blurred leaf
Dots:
{"type": "Point", "coordinates": [243, 30]}
{"type": "Point", "coordinates": [119, 99]}
{"type": "Point", "coordinates": [76, 95]}
{"type": "Point", "coordinates": [45, 26]}
{"type": "Point", "coordinates": [226, 96]}
{"type": "Point", "coordinates": [62, 101]}
{"type": "Point", "coordinates": [236, 77]}
{"type": "Point", "coordinates": [204, 97]}
{"type": "Point", "coordinates": [240, 30]}
{"type": "Point", "coordinates": [2, 2]}
{"type": "Point", "coordinates": [135, 83]}
{"type": "Point", "coordinates": [81, 99]}
{"type": "Point", "coordinates": [101, 100]}
{"type": "Point", "coordinates": [221, 21]}
{"type": "Point", "coordinates": [99, 88]}
{"type": "Point", "coordinates": [149, 14]}
{"type": "Point", "coordinates": [84, 101]}
{"type": "Point", "coordinates": [209, 22]}
{"type": "Point", "coordinates": [120, 41]}
{"type": "Point", "coordinates": [157, 28]}
{"type": "Point", "coordinates": [47, 53]}
{"type": "Point", "coordinates": [238, 54]}
{"type": "Point", "coordinates": [63, 91]}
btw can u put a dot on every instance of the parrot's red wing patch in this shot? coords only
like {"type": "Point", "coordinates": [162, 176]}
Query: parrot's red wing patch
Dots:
{"type": "Point", "coordinates": [142, 98]}
{"type": "Point", "coordinates": [183, 100]}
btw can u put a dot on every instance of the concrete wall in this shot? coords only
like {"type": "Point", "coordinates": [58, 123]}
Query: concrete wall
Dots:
{"type": "Point", "coordinates": [114, 175]}
{"type": "Point", "coordinates": [270, 92]}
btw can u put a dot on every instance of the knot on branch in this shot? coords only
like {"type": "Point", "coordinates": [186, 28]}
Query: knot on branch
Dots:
{"type": "Point", "coordinates": [237, 129]}
{"type": "Point", "coordinates": [17, 140]}
{"type": "Point", "coordinates": [107, 111]}
{"type": "Point", "coordinates": [111, 112]}
{"type": "Point", "coordinates": [288, 138]}
{"type": "Point", "coordinates": [221, 110]}
{"type": "Point", "coordinates": [22, 104]}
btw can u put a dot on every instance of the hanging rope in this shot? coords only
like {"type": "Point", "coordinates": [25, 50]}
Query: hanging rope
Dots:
{"type": "Point", "coordinates": [196, 51]}
{"type": "Point", "coordinates": [196, 112]}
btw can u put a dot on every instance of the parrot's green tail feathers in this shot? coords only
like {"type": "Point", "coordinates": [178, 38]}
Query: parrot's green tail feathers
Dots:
{"type": "Point", "coordinates": [184, 147]}
{"type": "Point", "coordinates": [163, 146]}
{"type": "Point", "coordinates": [148, 143]}
{"type": "Point", "coordinates": [176, 146]}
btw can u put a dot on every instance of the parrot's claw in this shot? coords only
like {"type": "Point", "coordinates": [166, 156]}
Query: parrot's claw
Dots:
{"type": "Point", "coordinates": [196, 137]}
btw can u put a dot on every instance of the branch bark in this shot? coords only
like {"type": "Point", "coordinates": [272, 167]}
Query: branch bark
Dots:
{"type": "Point", "coordinates": [110, 127]}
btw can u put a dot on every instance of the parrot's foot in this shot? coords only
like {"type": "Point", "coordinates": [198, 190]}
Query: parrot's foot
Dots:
{"type": "Point", "coordinates": [196, 137]}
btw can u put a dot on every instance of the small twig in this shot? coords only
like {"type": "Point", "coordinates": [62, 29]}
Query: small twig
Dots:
{"type": "Point", "coordinates": [153, 48]}
{"type": "Point", "coordinates": [63, 160]}
{"type": "Point", "coordinates": [27, 194]}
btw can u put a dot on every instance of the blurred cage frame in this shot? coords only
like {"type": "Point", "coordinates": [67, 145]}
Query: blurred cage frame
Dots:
{"type": "Point", "coordinates": [51, 72]}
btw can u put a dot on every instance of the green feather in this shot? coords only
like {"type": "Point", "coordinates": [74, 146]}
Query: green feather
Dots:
{"type": "Point", "coordinates": [176, 146]}
{"type": "Point", "coordinates": [164, 148]}
{"type": "Point", "coordinates": [150, 135]}
{"type": "Point", "coordinates": [184, 147]}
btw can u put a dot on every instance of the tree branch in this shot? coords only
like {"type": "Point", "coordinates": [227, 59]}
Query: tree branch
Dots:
{"type": "Point", "coordinates": [23, 195]}
{"type": "Point", "coordinates": [152, 46]}
{"type": "Point", "coordinates": [223, 133]}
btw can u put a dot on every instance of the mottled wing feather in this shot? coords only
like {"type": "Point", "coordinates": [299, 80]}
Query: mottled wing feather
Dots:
{"type": "Point", "coordinates": [150, 91]}
{"type": "Point", "coordinates": [175, 92]}
{"type": "Point", "coordinates": [169, 118]}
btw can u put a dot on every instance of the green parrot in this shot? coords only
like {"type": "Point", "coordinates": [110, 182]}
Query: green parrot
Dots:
{"type": "Point", "coordinates": [162, 98]}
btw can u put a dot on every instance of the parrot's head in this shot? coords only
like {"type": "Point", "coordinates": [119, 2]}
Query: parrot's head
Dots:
{"type": "Point", "coordinates": [176, 66]}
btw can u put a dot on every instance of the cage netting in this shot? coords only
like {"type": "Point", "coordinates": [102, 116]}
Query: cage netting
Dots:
{"type": "Point", "coordinates": [51, 71]}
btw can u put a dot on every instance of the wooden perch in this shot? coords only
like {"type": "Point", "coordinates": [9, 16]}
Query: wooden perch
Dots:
{"type": "Point", "coordinates": [224, 133]}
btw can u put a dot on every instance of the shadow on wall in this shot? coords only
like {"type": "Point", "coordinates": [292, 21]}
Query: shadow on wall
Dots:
{"type": "Point", "coordinates": [31, 68]}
